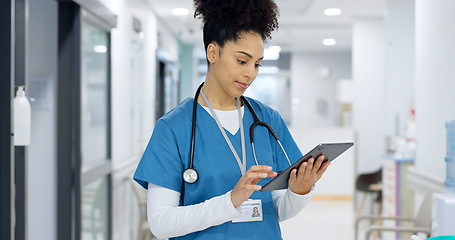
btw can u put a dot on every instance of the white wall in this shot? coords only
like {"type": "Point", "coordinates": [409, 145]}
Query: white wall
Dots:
{"type": "Point", "coordinates": [133, 104]}
{"type": "Point", "coordinates": [308, 87]}
{"type": "Point", "coordinates": [435, 57]}
{"type": "Point", "coordinates": [125, 86]}
{"type": "Point", "coordinates": [400, 62]}
{"type": "Point", "coordinates": [368, 70]}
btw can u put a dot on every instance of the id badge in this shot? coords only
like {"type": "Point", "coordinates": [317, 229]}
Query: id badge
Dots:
{"type": "Point", "coordinates": [251, 211]}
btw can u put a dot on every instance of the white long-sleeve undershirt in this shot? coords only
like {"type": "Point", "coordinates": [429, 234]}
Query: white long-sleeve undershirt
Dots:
{"type": "Point", "coordinates": [167, 219]}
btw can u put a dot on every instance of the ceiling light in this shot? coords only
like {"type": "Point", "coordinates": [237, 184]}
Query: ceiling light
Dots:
{"type": "Point", "coordinates": [329, 42]}
{"type": "Point", "coordinates": [332, 11]}
{"type": "Point", "coordinates": [275, 48]}
{"type": "Point", "coordinates": [272, 53]}
{"type": "Point", "coordinates": [100, 49]}
{"type": "Point", "coordinates": [180, 11]}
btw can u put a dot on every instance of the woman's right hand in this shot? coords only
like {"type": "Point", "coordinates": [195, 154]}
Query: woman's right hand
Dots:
{"type": "Point", "coordinates": [248, 183]}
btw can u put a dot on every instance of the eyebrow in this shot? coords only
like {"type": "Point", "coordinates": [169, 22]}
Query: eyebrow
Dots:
{"type": "Point", "coordinates": [248, 55]}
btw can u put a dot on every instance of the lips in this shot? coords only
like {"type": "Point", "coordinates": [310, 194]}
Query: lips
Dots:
{"type": "Point", "coordinates": [242, 85]}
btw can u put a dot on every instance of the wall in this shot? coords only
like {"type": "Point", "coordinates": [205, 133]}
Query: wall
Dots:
{"type": "Point", "coordinates": [435, 55]}
{"type": "Point", "coordinates": [41, 86]}
{"type": "Point", "coordinates": [400, 64]}
{"type": "Point", "coordinates": [133, 102]}
{"type": "Point", "coordinates": [368, 69]}
{"type": "Point", "coordinates": [310, 88]}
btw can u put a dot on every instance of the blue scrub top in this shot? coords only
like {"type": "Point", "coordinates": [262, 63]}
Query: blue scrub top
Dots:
{"type": "Point", "coordinates": [168, 154]}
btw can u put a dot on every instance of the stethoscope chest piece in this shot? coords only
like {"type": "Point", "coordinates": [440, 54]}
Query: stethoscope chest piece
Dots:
{"type": "Point", "coordinates": [190, 175]}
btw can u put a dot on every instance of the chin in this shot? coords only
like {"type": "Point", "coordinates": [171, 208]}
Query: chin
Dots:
{"type": "Point", "coordinates": [238, 93]}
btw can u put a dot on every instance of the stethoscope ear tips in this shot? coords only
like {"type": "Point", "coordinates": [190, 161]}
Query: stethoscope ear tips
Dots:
{"type": "Point", "coordinates": [190, 175]}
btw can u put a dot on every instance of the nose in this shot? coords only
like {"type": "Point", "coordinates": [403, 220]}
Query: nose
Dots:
{"type": "Point", "coordinates": [250, 72]}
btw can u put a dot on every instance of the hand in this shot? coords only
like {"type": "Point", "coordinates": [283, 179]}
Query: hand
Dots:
{"type": "Point", "coordinates": [248, 183]}
{"type": "Point", "coordinates": [300, 182]}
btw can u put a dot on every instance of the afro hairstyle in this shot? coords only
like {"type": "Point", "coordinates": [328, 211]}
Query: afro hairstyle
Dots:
{"type": "Point", "coordinates": [224, 20]}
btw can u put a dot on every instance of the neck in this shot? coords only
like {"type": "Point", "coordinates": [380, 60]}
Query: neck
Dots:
{"type": "Point", "coordinates": [217, 97]}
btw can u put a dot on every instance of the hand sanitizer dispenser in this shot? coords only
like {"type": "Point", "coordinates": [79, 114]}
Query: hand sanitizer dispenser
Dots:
{"type": "Point", "coordinates": [22, 118]}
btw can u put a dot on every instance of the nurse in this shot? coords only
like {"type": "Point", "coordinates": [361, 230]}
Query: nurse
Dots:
{"type": "Point", "coordinates": [222, 202]}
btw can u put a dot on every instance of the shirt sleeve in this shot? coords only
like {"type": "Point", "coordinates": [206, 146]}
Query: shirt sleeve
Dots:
{"type": "Point", "coordinates": [167, 219]}
{"type": "Point", "coordinates": [161, 163]}
{"type": "Point", "coordinates": [288, 204]}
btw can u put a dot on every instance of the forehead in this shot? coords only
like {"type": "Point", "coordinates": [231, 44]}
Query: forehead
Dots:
{"type": "Point", "coordinates": [248, 42]}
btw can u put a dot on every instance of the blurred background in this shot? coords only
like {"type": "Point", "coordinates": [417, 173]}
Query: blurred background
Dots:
{"type": "Point", "coordinates": [97, 74]}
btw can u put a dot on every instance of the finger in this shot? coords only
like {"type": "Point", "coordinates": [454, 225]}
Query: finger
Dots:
{"type": "Point", "coordinates": [323, 168]}
{"type": "Point", "coordinates": [255, 175]}
{"type": "Point", "coordinates": [252, 187]}
{"type": "Point", "coordinates": [302, 169]}
{"type": "Point", "coordinates": [260, 168]}
{"type": "Point", "coordinates": [255, 181]}
{"type": "Point", "coordinates": [293, 175]}
{"type": "Point", "coordinates": [318, 163]}
{"type": "Point", "coordinates": [309, 166]}
{"type": "Point", "coordinates": [272, 174]}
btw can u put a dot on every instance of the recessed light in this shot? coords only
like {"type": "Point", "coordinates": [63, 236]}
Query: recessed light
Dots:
{"type": "Point", "coordinates": [180, 11]}
{"type": "Point", "coordinates": [275, 48]}
{"type": "Point", "coordinates": [332, 11]}
{"type": "Point", "coordinates": [329, 41]}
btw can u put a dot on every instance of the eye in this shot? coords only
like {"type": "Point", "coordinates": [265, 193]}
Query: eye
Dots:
{"type": "Point", "coordinates": [241, 61]}
{"type": "Point", "coordinates": [258, 65]}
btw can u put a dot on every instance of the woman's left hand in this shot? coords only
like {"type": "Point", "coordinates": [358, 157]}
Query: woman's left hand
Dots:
{"type": "Point", "coordinates": [301, 181]}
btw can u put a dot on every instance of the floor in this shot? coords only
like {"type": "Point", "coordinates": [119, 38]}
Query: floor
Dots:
{"type": "Point", "coordinates": [322, 220]}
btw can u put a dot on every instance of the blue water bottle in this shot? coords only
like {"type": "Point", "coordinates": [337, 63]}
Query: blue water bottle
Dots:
{"type": "Point", "coordinates": [450, 158]}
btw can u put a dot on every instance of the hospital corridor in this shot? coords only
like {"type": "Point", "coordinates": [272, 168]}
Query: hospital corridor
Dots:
{"type": "Point", "coordinates": [227, 119]}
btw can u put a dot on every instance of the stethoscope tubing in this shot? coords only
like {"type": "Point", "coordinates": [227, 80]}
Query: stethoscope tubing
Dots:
{"type": "Point", "coordinates": [193, 125]}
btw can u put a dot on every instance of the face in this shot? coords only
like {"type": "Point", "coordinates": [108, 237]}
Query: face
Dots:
{"type": "Point", "coordinates": [235, 66]}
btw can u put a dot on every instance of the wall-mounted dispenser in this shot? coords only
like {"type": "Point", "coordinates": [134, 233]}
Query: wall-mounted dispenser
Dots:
{"type": "Point", "coordinates": [22, 118]}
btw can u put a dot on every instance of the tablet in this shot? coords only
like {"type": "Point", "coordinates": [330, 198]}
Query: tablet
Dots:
{"type": "Point", "coordinates": [330, 152]}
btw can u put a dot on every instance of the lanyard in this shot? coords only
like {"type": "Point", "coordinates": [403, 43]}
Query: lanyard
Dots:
{"type": "Point", "coordinates": [242, 166]}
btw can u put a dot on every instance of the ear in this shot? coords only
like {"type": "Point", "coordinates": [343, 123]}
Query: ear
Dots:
{"type": "Point", "coordinates": [212, 50]}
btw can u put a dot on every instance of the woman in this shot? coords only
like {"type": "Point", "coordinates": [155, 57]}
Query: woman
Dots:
{"type": "Point", "coordinates": [219, 204]}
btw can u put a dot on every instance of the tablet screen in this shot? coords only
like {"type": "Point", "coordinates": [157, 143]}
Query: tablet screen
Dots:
{"type": "Point", "coordinates": [330, 152]}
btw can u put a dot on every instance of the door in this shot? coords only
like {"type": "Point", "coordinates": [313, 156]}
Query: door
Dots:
{"type": "Point", "coordinates": [83, 116]}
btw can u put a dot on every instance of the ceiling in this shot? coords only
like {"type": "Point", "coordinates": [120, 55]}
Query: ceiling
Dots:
{"type": "Point", "coordinates": [302, 23]}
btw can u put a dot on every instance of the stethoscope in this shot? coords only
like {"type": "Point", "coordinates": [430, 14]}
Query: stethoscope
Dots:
{"type": "Point", "coordinates": [190, 175]}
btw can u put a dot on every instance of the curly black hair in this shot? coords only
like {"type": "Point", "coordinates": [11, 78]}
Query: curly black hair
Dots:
{"type": "Point", "coordinates": [224, 20]}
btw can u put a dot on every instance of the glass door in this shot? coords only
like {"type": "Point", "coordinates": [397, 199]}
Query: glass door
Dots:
{"type": "Point", "coordinates": [84, 164]}
{"type": "Point", "coordinates": [95, 130]}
